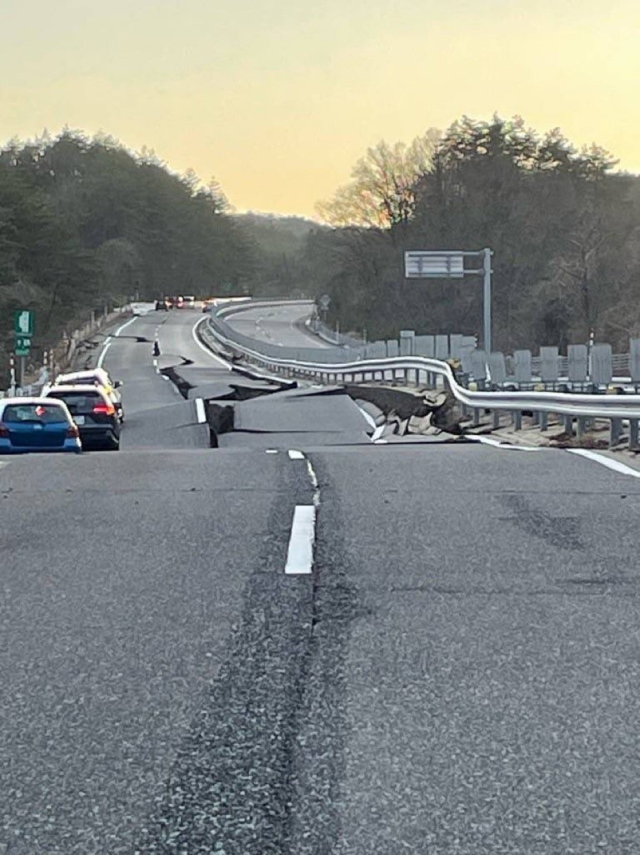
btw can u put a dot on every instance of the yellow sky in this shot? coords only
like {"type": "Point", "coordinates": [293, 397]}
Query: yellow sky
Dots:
{"type": "Point", "coordinates": [279, 98]}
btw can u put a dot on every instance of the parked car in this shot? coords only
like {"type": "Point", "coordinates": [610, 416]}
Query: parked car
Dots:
{"type": "Point", "coordinates": [93, 412]}
{"type": "Point", "coordinates": [97, 377]}
{"type": "Point", "coordinates": [36, 424]}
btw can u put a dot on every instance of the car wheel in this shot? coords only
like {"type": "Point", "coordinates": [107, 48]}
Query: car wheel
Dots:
{"type": "Point", "coordinates": [114, 444]}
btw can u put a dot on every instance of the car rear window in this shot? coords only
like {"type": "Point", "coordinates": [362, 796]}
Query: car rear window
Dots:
{"type": "Point", "coordinates": [42, 413]}
{"type": "Point", "coordinates": [78, 402]}
{"type": "Point", "coordinates": [86, 380]}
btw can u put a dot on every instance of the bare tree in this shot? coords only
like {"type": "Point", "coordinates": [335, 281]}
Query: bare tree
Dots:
{"type": "Point", "coordinates": [381, 192]}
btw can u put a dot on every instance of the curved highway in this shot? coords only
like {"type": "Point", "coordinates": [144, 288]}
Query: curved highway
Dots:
{"type": "Point", "coordinates": [458, 673]}
{"type": "Point", "coordinates": [278, 325]}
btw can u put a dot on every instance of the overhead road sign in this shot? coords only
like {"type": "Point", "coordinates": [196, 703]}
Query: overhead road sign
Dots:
{"type": "Point", "coordinates": [449, 264]}
{"type": "Point", "coordinates": [433, 265]}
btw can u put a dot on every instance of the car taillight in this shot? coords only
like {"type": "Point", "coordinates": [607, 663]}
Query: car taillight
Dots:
{"type": "Point", "coordinates": [73, 432]}
{"type": "Point", "coordinates": [4, 430]}
{"type": "Point", "coordinates": [104, 409]}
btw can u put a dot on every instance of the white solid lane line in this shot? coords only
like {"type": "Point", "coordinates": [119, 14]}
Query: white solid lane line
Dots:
{"type": "Point", "coordinates": [103, 352]}
{"type": "Point", "coordinates": [303, 533]}
{"type": "Point", "coordinates": [616, 466]}
{"type": "Point", "coordinates": [206, 350]}
{"type": "Point", "coordinates": [495, 443]}
{"type": "Point", "coordinates": [375, 436]}
{"type": "Point", "coordinates": [200, 413]}
{"type": "Point", "coordinates": [110, 338]}
{"type": "Point", "coordinates": [124, 326]}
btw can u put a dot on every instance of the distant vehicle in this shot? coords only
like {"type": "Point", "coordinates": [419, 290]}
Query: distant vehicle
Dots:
{"type": "Point", "coordinates": [178, 302]}
{"type": "Point", "coordinates": [190, 302]}
{"type": "Point", "coordinates": [36, 424]}
{"type": "Point", "coordinates": [93, 412]}
{"type": "Point", "coordinates": [97, 377]}
{"type": "Point", "coordinates": [162, 306]}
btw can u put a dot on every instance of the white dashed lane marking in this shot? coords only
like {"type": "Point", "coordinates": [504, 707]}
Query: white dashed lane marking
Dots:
{"type": "Point", "coordinates": [303, 528]}
{"type": "Point", "coordinates": [301, 541]}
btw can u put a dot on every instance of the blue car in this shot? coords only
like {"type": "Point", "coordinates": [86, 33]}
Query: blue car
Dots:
{"type": "Point", "coordinates": [36, 424]}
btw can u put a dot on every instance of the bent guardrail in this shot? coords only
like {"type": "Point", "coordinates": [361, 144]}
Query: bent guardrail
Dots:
{"type": "Point", "coordinates": [332, 367]}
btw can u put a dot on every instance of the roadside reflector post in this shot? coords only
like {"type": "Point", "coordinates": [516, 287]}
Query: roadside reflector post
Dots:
{"type": "Point", "coordinates": [12, 375]}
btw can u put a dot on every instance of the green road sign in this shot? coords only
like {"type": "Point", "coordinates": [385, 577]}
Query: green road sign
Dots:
{"type": "Point", "coordinates": [23, 342]}
{"type": "Point", "coordinates": [24, 322]}
{"type": "Point", "coordinates": [22, 351]}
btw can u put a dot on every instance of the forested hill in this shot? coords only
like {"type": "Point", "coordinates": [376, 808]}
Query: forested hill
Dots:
{"type": "Point", "coordinates": [279, 244]}
{"type": "Point", "coordinates": [563, 224]}
{"type": "Point", "coordinates": [86, 224]}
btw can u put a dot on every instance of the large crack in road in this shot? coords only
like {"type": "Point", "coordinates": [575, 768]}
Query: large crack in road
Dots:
{"type": "Point", "coordinates": [260, 768]}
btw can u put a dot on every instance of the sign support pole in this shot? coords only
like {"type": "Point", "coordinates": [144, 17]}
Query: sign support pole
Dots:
{"type": "Point", "coordinates": [487, 301]}
{"type": "Point", "coordinates": [449, 264]}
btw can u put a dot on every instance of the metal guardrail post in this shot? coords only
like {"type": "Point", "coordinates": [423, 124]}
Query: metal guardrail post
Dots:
{"type": "Point", "coordinates": [496, 419]}
{"type": "Point", "coordinates": [616, 431]}
{"type": "Point", "coordinates": [633, 434]}
{"type": "Point", "coordinates": [568, 425]}
{"type": "Point", "coordinates": [516, 418]}
{"type": "Point", "coordinates": [353, 365]}
{"type": "Point", "coordinates": [544, 421]}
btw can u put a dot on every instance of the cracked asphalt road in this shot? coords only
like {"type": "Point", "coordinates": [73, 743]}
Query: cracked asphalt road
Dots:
{"type": "Point", "coordinates": [458, 675]}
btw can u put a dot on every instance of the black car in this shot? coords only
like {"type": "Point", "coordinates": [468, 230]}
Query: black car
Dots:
{"type": "Point", "coordinates": [162, 306]}
{"type": "Point", "coordinates": [94, 413]}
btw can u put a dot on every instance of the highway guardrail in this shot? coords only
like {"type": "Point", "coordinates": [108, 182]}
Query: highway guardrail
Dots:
{"type": "Point", "coordinates": [334, 367]}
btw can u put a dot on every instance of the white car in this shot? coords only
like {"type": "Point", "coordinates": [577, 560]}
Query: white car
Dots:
{"type": "Point", "coordinates": [94, 377]}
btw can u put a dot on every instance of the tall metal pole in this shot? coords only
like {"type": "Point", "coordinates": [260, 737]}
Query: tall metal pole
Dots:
{"type": "Point", "coordinates": [487, 301]}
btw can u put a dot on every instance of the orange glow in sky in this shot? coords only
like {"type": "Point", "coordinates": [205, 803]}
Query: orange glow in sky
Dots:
{"type": "Point", "coordinates": [279, 98]}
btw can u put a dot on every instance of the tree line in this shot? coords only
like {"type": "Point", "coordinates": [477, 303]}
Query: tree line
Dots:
{"type": "Point", "coordinates": [564, 227]}
{"type": "Point", "coordinates": [86, 224]}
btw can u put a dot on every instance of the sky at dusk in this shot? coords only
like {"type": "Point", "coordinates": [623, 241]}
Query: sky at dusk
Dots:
{"type": "Point", "coordinates": [278, 98]}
